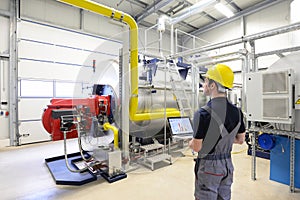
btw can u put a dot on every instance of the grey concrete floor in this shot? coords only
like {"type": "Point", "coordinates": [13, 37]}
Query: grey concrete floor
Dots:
{"type": "Point", "coordinates": [24, 175]}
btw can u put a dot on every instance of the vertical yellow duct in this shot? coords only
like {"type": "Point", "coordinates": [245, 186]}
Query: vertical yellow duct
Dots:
{"type": "Point", "coordinates": [118, 15]}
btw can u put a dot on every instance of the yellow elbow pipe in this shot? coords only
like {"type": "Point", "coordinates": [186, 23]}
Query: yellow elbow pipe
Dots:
{"type": "Point", "coordinates": [108, 126]}
{"type": "Point", "coordinates": [118, 15]}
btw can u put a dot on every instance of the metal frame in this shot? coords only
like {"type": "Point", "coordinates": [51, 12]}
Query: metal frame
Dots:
{"type": "Point", "coordinates": [158, 41]}
{"type": "Point", "coordinates": [251, 65]}
{"type": "Point", "coordinates": [292, 163]}
{"type": "Point", "coordinates": [124, 79]}
{"type": "Point", "coordinates": [291, 134]}
{"type": "Point", "coordinates": [253, 37]}
{"type": "Point", "coordinates": [13, 75]}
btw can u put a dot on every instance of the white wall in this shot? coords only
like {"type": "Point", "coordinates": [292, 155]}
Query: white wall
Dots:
{"type": "Point", "coordinates": [4, 49]}
{"type": "Point", "coordinates": [99, 25]}
{"type": "Point", "coordinates": [270, 18]}
{"type": "Point", "coordinates": [226, 32]}
{"type": "Point", "coordinates": [295, 17]}
{"type": "Point", "coordinates": [68, 16]}
{"type": "Point", "coordinates": [51, 11]}
{"type": "Point", "coordinates": [4, 5]}
{"type": "Point", "coordinates": [4, 34]}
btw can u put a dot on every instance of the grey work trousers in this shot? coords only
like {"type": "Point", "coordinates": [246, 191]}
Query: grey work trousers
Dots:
{"type": "Point", "coordinates": [213, 179]}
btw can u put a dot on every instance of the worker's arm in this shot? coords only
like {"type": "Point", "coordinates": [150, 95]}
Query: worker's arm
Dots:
{"type": "Point", "coordinates": [239, 138]}
{"type": "Point", "coordinates": [196, 144]}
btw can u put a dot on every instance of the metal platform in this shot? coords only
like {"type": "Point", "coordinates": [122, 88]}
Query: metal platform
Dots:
{"type": "Point", "coordinates": [157, 158]}
{"type": "Point", "coordinates": [151, 147]}
{"type": "Point", "coordinates": [153, 153]}
{"type": "Point", "coordinates": [61, 174]}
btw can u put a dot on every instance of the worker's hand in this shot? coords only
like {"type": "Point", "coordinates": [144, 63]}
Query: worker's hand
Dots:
{"type": "Point", "coordinates": [190, 144]}
{"type": "Point", "coordinates": [195, 144]}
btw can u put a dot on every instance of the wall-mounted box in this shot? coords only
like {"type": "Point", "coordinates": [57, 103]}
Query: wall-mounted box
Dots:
{"type": "Point", "coordinates": [269, 96]}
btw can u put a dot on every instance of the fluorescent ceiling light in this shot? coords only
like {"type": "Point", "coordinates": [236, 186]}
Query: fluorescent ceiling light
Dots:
{"type": "Point", "coordinates": [224, 10]}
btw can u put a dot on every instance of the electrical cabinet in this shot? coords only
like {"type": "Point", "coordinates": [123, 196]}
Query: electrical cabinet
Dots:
{"type": "Point", "coordinates": [270, 96]}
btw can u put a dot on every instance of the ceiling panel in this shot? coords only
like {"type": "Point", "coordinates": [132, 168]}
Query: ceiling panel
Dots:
{"type": "Point", "coordinates": [198, 20]}
{"type": "Point", "coordinates": [183, 28]}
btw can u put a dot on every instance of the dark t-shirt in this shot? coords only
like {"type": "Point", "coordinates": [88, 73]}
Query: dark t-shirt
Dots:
{"type": "Point", "coordinates": [227, 112]}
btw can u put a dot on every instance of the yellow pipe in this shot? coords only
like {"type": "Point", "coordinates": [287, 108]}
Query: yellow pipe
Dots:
{"type": "Point", "coordinates": [118, 15]}
{"type": "Point", "coordinates": [107, 126]}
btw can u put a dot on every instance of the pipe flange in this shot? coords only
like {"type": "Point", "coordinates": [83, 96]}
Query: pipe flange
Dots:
{"type": "Point", "coordinates": [122, 17]}
{"type": "Point", "coordinates": [113, 11]}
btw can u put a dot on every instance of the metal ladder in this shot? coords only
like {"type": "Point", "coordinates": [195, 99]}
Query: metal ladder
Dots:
{"type": "Point", "coordinates": [177, 84]}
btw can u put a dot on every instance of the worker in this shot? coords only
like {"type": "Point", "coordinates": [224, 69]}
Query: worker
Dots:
{"type": "Point", "coordinates": [217, 125]}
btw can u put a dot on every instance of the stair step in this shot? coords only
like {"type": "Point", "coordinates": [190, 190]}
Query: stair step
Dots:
{"type": "Point", "coordinates": [158, 158]}
{"type": "Point", "coordinates": [150, 147]}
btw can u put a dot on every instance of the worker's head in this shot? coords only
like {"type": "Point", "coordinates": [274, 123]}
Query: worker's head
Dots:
{"type": "Point", "coordinates": [219, 77]}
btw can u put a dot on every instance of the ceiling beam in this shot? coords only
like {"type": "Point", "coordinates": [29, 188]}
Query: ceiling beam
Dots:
{"type": "Point", "coordinates": [138, 3]}
{"type": "Point", "coordinates": [147, 24]}
{"type": "Point", "coordinates": [209, 16]}
{"type": "Point", "coordinates": [157, 5]}
{"type": "Point", "coordinates": [257, 7]}
{"type": "Point", "coordinates": [236, 7]}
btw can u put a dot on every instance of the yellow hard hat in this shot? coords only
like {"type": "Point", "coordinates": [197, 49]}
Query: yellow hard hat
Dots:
{"type": "Point", "coordinates": [222, 74]}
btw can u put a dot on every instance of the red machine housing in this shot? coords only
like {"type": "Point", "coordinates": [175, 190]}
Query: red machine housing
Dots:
{"type": "Point", "coordinates": [96, 105]}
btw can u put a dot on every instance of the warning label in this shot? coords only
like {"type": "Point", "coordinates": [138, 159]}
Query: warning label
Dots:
{"type": "Point", "coordinates": [298, 101]}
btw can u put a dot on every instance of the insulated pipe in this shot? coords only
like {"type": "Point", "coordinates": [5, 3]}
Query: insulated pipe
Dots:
{"type": "Point", "coordinates": [123, 17]}
{"type": "Point", "coordinates": [108, 126]}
